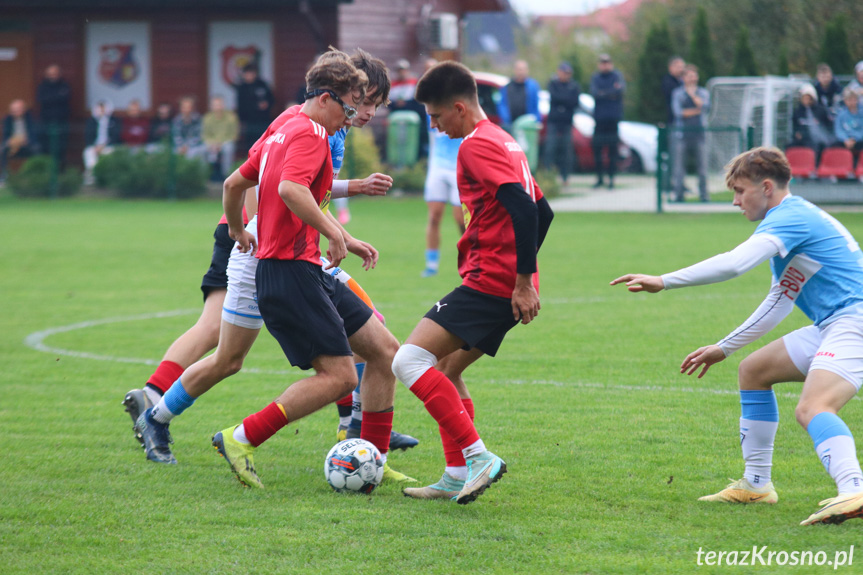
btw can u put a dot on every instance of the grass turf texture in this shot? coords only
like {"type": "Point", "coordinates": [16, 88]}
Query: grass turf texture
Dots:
{"type": "Point", "coordinates": [608, 446]}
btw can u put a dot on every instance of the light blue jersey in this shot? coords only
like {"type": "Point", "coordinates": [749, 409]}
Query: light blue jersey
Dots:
{"type": "Point", "coordinates": [819, 264]}
{"type": "Point", "coordinates": [337, 150]}
{"type": "Point", "coordinates": [443, 151]}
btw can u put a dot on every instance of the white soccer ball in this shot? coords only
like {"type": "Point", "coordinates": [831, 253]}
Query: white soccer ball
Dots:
{"type": "Point", "coordinates": [354, 465]}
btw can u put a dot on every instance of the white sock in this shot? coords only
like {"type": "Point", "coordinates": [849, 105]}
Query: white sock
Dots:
{"type": "Point", "coordinates": [384, 458]}
{"type": "Point", "coordinates": [459, 472]}
{"type": "Point", "coordinates": [756, 441]}
{"type": "Point", "coordinates": [474, 448]}
{"type": "Point", "coordinates": [161, 413]}
{"type": "Point", "coordinates": [344, 421]}
{"type": "Point", "coordinates": [357, 406]}
{"type": "Point", "coordinates": [152, 394]}
{"type": "Point", "coordinates": [240, 434]}
{"type": "Point", "coordinates": [839, 457]}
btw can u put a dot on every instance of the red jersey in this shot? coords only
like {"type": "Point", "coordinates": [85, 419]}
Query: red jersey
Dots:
{"type": "Point", "coordinates": [299, 152]}
{"type": "Point", "coordinates": [488, 158]}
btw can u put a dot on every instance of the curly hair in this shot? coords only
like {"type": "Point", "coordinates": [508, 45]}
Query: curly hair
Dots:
{"type": "Point", "coordinates": [764, 163]}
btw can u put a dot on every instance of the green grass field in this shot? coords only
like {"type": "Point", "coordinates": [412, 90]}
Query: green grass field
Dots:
{"type": "Point", "coordinates": [608, 446]}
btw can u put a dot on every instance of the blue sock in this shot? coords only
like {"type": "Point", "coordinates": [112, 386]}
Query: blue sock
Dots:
{"type": "Point", "coordinates": [432, 259]}
{"type": "Point", "coordinates": [758, 405]}
{"type": "Point", "coordinates": [176, 399]}
{"type": "Point", "coordinates": [834, 445]}
{"type": "Point", "coordinates": [759, 419]}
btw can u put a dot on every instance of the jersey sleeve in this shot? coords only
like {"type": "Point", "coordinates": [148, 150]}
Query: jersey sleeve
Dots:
{"type": "Point", "coordinates": [787, 232]}
{"type": "Point", "coordinates": [250, 169]}
{"type": "Point", "coordinates": [337, 151]}
{"type": "Point", "coordinates": [304, 157]}
{"type": "Point", "coordinates": [487, 163]}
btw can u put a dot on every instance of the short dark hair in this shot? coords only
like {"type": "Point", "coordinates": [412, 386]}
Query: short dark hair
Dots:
{"type": "Point", "coordinates": [334, 70]}
{"type": "Point", "coordinates": [759, 164]}
{"type": "Point", "coordinates": [250, 67]}
{"type": "Point", "coordinates": [446, 82]}
{"type": "Point", "coordinates": [376, 71]}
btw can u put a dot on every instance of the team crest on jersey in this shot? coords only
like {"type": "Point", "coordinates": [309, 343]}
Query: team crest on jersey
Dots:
{"type": "Point", "coordinates": [466, 213]}
{"type": "Point", "coordinates": [117, 64]}
{"type": "Point", "coordinates": [235, 58]}
{"type": "Point", "coordinates": [325, 201]}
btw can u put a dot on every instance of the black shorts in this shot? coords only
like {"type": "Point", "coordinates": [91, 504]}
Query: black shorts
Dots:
{"type": "Point", "coordinates": [481, 320]}
{"type": "Point", "coordinates": [217, 276]}
{"type": "Point", "coordinates": [309, 312]}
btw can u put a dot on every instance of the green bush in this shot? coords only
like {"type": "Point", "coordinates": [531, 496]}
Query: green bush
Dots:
{"type": "Point", "coordinates": [547, 181]}
{"type": "Point", "coordinates": [411, 178]}
{"type": "Point", "coordinates": [147, 175]}
{"type": "Point", "coordinates": [362, 156]}
{"type": "Point", "coordinates": [33, 180]}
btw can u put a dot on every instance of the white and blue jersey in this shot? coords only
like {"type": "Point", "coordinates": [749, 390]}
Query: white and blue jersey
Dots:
{"type": "Point", "coordinates": [337, 150]}
{"type": "Point", "coordinates": [820, 265]}
{"type": "Point", "coordinates": [443, 151]}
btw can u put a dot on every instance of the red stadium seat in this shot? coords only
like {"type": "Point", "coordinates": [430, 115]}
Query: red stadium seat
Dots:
{"type": "Point", "coordinates": [859, 172]}
{"type": "Point", "coordinates": [837, 163]}
{"type": "Point", "coordinates": [802, 161]}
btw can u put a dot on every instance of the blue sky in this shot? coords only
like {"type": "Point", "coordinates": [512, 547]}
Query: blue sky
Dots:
{"type": "Point", "coordinates": [559, 6]}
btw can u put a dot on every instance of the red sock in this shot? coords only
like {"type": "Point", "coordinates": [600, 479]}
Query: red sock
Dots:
{"type": "Point", "coordinates": [451, 451]}
{"type": "Point", "coordinates": [165, 375]}
{"type": "Point", "coordinates": [261, 426]}
{"type": "Point", "coordinates": [376, 429]}
{"type": "Point", "coordinates": [443, 403]}
{"type": "Point", "coordinates": [347, 400]}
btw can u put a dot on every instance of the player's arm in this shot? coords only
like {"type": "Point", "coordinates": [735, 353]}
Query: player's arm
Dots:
{"type": "Point", "coordinates": [775, 307]}
{"type": "Point", "coordinates": [374, 185]}
{"type": "Point", "coordinates": [233, 196]}
{"type": "Point", "coordinates": [525, 224]}
{"type": "Point", "coordinates": [544, 217]}
{"type": "Point", "coordinates": [748, 255]}
{"type": "Point", "coordinates": [298, 198]}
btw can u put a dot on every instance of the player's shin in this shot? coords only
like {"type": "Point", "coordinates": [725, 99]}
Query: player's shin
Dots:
{"type": "Point", "coordinates": [834, 445]}
{"type": "Point", "coordinates": [758, 423]}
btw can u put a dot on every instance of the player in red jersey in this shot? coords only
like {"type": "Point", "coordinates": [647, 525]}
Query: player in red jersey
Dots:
{"type": "Point", "coordinates": [315, 318]}
{"type": "Point", "coordinates": [507, 219]}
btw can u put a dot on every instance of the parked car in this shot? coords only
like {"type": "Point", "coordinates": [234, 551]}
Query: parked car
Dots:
{"type": "Point", "coordinates": [638, 141]}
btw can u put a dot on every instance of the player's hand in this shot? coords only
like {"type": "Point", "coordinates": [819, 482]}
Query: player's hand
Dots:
{"type": "Point", "coordinates": [247, 242]}
{"type": "Point", "coordinates": [702, 357]}
{"type": "Point", "coordinates": [364, 250]}
{"type": "Point", "coordinates": [376, 185]}
{"type": "Point", "coordinates": [336, 250]}
{"type": "Point", "coordinates": [640, 282]}
{"type": "Point", "coordinates": [525, 301]}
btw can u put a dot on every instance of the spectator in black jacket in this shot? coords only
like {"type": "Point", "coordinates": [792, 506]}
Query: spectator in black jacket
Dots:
{"type": "Point", "coordinates": [19, 135]}
{"type": "Point", "coordinates": [563, 94]}
{"type": "Point", "coordinates": [607, 87]}
{"type": "Point", "coordinates": [161, 126]}
{"type": "Point", "coordinates": [828, 91]}
{"type": "Point", "coordinates": [672, 80]}
{"type": "Point", "coordinates": [811, 123]}
{"type": "Point", "coordinates": [53, 95]}
{"type": "Point", "coordinates": [254, 105]}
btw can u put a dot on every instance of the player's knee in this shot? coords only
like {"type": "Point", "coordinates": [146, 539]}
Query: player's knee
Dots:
{"type": "Point", "coordinates": [385, 346]}
{"type": "Point", "coordinates": [806, 410]}
{"type": "Point", "coordinates": [752, 374]}
{"type": "Point", "coordinates": [232, 366]}
{"type": "Point", "coordinates": [411, 362]}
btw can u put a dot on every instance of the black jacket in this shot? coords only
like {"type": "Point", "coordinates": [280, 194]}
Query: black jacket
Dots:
{"type": "Point", "coordinates": [53, 100]}
{"type": "Point", "coordinates": [563, 100]}
{"type": "Point", "coordinates": [248, 98]}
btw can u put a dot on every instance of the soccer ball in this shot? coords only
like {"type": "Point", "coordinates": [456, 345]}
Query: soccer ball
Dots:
{"type": "Point", "coordinates": [354, 465]}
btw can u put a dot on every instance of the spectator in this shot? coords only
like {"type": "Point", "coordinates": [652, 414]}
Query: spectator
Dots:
{"type": "Point", "coordinates": [220, 131]}
{"type": "Point", "coordinates": [849, 122]}
{"type": "Point", "coordinates": [161, 126]}
{"type": "Point", "coordinates": [101, 134]}
{"type": "Point", "coordinates": [135, 131]}
{"type": "Point", "coordinates": [402, 98]}
{"type": "Point", "coordinates": [19, 135]}
{"type": "Point", "coordinates": [690, 104]}
{"type": "Point", "coordinates": [857, 83]}
{"type": "Point", "coordinates": [672, 80]}
{"type": "Point", "coordinates": [563, 101]}
{"type": "Point", "coordinates": [186, 130]}
{"type": "Point", "coordinates": [811, 123]}
{"type": "Point", "coordinates": [519, 97]}
{"type": "Point", "coordinates": [53, 95]}
{"type": "Point", "coordinates": [827, 89]}
{"type": "Point", "coordinates": [254, 105]}
{"type": "Point", "coordinates": [607, 87]}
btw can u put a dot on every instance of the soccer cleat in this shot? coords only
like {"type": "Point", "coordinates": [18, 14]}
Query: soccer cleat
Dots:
{"type": "Point", "coordinates": [156, 437]}
{"type": "Point", "coordinates": [397, 440]}
{"type": "Point", "coordinates": [837, 509]}
{"type": "Point", "coordinates": [136, 402]}
{"type": "Point", "coordinates": [428, 272]}
{"type": "Point", "coordinates": [342, 433]}
{"type": "Point", "coordinates": [482, 470]}
{"type": "Point", "coordinates": [447, 487]}
{"type": "Point", "coordinates": [741, 491]}
{"type": "Point", "coordinates": [391, 474]}
{"type": "Point", "coordinates": [239, 457]}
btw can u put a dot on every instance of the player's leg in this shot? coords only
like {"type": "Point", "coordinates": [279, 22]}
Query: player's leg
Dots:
{"type": "Point", "coordinates": [458, 218]}
{"type": "Point", "coordinates": [334, 377]}
{"type": "Point", "coordinates": [344, 214]}
{"type": "Point", "coordinates": [779, 361]}
{"type": "Point", "coordinates": [432, 253]}
{"type": "Point", "coordinates": [596, 144]}
{"type": "Point", "coordinates": [834, 379]}
{"type": "Point", "coordinates": [455, 473]}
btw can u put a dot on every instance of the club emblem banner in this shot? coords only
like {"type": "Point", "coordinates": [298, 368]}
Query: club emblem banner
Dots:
{"type": "Point", "coordinates": [118, 63]}
{"type": "Point", "coordinates": [231, 46]}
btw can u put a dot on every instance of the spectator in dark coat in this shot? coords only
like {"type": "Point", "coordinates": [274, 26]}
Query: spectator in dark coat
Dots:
{"type": "Point", "coordinates": [161, 126]}
{"type": "Point", "coordinates": [519, 97]}
{"type": "Point", "coordinates": [607, 87]}
{"type": "Point", "coordinates": [53, 95]}
{"type": "Point", "coordinates": [563, 94]}
{"type": "Point", "coordinates": [828, 91]}
{"type": "Point", "coordinates": [254, 105]}
{"type": "Point", "coordinates": [811, 124]}
{"type": "Point", "coordinates": [672, 80]}
{"type": "Point", "coordinates": [19, 135]}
